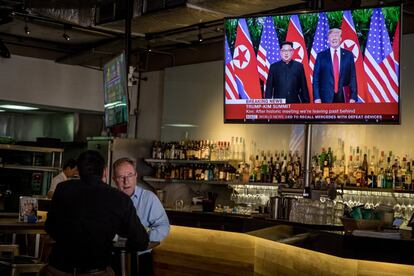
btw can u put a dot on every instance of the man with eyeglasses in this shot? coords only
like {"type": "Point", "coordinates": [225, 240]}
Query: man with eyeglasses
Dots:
{"type": "Point", "coordinates": [149, 210]}
{"type": "Point", "coordinates": [286, 79]}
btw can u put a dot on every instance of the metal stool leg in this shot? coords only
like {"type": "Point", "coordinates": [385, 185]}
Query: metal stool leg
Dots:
{"type": "Point", "coordinates": [123, 265]}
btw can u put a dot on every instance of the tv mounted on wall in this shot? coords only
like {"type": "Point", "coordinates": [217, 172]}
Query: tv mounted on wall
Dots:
{"type": "Point", "coordinates": [115, 92]}
{"type": "Point", "coordinates": [283, 69]}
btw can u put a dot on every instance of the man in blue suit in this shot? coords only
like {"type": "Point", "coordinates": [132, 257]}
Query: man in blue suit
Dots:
{"type": "Point", "coordinates": [334, 78]}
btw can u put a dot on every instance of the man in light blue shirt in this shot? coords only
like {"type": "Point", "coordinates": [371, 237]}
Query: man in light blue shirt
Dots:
{"type": "Point", "coordinates": [149, 209]}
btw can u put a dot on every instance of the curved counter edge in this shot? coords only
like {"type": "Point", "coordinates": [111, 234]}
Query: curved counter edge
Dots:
{"type": "Point", "coordinates": [195, 251]}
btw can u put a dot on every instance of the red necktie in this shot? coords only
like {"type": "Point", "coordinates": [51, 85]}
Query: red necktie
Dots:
{"type": "Point", "coordinates": [336, 71]}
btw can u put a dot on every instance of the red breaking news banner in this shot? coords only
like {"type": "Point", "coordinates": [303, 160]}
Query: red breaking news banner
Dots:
{"type": "Point", "coordinates": [273, 109]}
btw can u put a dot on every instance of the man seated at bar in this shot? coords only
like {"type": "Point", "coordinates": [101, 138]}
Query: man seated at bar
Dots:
{"type": "Point", "coordinates": [149, 210]}
{"type": "Point", "coordinates": [83, 219]}
{"type": "Point", "coordinates": [69, 170]}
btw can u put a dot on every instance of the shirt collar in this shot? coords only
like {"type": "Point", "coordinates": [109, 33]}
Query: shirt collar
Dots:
{"type": "Point", "coordinates": [333, 50]}
{"type": "Point", "coordinates": [137, 192]}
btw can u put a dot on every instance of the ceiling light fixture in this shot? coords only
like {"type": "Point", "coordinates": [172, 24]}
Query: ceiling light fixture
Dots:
{"type": "Point", "coordinates": [199, 36]}
{"type": "Point", "coordinates": [65, 35]}
{"type": "Point", "coordinates": [18, 107]}
{"type": "Point", "coordinates": [26, 27]}
{"type": "Point", "coordinates": [181, 125]}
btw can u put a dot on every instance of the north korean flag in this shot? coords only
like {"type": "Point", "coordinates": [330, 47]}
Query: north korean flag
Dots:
{"type": "Point", "coordinates": [350, 42]}
{"type": "Point", "coordinates": [300, 54]}
{"type": "Point", "coordinates": [245, 64]}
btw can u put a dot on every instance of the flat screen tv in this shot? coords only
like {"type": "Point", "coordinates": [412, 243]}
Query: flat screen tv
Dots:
{"type": "Point", "coordinates": [115, 92]}
{"type": "Point", "coordinates": [337, 66]}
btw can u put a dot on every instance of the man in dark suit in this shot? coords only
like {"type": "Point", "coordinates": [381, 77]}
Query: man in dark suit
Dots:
{"type": "Point", "coordinates": [334, 78]}
{"type": "Point", "coordinates": [286, 79]}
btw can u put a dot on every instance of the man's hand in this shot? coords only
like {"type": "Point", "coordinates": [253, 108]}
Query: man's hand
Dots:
{"type": "Point", "coordinates": [152, 244]}
{"type": "Point", "coordinates": [318, 101]}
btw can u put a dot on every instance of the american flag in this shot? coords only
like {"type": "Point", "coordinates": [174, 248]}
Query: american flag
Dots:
{"type": "Point", "coordinates": [320, 40]}
{"type": "Point", "coordinates": [268, 52]}
{"type": "Point", "coordinates": [230, 83]}
{"type": "Point", "coordinates": [378, 62]}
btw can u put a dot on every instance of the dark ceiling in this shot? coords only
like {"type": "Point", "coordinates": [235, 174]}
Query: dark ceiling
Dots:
{"type": "Point", "coordinates": [164, 33]}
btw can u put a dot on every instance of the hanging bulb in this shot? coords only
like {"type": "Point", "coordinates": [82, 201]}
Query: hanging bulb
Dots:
{"type": "Point", "coordinates": [66, 36]}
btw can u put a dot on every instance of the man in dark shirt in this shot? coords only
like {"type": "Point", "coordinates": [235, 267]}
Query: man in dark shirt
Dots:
{"type": "Point", "coordinates": [286, 79]}
{"type": "Point", "coordinates": [83, 219]}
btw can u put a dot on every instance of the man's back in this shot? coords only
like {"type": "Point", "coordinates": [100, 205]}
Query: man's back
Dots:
{"type": "Point", "coordinates": [83, 219]}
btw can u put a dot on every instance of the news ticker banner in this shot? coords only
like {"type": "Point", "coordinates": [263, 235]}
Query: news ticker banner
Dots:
{"type": "Point", "coordinates": [277, 109]}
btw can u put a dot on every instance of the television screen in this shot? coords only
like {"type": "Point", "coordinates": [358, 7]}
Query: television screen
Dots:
{"type": "Point", "coordinates": [115, 91]}
{"type": "Point", "coordinates": [324, 67]}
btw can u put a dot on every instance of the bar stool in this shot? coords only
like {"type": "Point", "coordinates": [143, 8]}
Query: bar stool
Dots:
{"type": "Point", "coordinates": [16, 263]}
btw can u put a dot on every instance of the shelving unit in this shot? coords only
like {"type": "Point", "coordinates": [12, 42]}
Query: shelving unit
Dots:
{"type": "Point", "coordinates": [182, 181]}
{"type": "Point", "coordinates": [189, 161]}
{"type": "Point", "coordinates": [53, 167]}
{"type": "Point", "coordinates": [37, 165]}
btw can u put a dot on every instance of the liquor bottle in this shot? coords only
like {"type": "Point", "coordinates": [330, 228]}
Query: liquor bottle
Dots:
{"type": "Point", "coordinates": [206, 173]}
{"type": "Point", "coordinates": [364, 170]}
{"type": "Point", "coordinates": [329, 157]}
{"type": "Point", "coordinates": [191, 175]}
{"type": "Point", "coordinates": [264, 169]}
{"type": "Point", "coordinates": [173, 172]}
{"type": "Point", "coordinates": [189, 150]}
{"type": "Point", "coordinates": [238, 173]}
{"type": "Point", "coordinates": [325, 173]}
{"type": "Point", "coordinates": [322, 158]}
{"type": "Point", "coordinates": [297, 167]}
{"type": "Point", "coordinates": [216, 172]}
{"type": "Point", "coordinates": [372, 167]}
{"type": "Point", "coordinates": [372, 180]}
{"type": "Point", "coordinates": [407, 178]}
{"type": "Point", "coordinates": [271, 171]}
{"type": "Point", "coordinates": [381, 179]}
{"type": "Point", "coordinates": [400, 174]}
{"type": "Point", "coordinates": [236, 149]}
{"type": "Point", "coordinates": [182, 155]}
{"type": "Point", "coordinates": [242, 149]}
{"type": "Point", "coordinates": [232, 149]}
{"type": "Point", "coordinates": [284, 176]}
{"type": "Point", "coordinates": [389, 178]}
{"type": "Point", "coordinates": [222, 173]}
{"type": "Point", "coordinates": [154, 150]}
{"type": "Point", "coordinates": [412, 174]}
{"type": "Point", "coordinates": [213, 151]}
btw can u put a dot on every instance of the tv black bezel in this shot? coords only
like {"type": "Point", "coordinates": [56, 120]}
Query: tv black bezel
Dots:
{"type": "Point", "coordinates": [321, 122]}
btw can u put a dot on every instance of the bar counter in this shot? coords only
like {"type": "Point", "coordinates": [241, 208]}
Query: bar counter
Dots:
{"type": "Point", "coordinates": [195, 251]}
{"type": "Point", "coordinates": [262, 246]}
{"type": "Point", "coordinates": [326, 239]}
